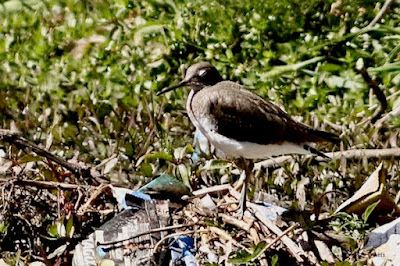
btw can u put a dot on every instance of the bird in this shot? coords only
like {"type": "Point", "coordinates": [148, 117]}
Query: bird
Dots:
{"type": "Point", "coordinates": [241, 123]}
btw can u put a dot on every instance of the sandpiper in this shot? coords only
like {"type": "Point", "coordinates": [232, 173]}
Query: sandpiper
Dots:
{"type": "Point", "coordinates": [240, 123]}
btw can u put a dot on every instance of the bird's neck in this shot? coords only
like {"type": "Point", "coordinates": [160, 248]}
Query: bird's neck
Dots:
{"type": "Point", "coordinates": [189, 104]}
{"type": "Point", "coordinates": [190, 98]}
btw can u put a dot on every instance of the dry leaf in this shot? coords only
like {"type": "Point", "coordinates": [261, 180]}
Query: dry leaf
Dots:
{"type": "Point", "coordinates": [110, 165]}
{"type": "Point", "coordinates": [373, 190]}
{"type": "Point", "coordinates": [324, 252]}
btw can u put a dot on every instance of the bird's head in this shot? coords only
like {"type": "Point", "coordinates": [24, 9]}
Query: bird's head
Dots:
{"type": "Point", "coordinates": [197, 77]}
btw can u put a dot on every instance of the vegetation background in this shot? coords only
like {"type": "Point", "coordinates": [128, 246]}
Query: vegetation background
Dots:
{"type": "Point", "coordinates": [80, 78]}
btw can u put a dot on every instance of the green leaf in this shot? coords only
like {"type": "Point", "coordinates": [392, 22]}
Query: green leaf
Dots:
{"type": "Point", "coordinates": [384, 68]}
{"type": "Point", "coordinates": [244, 257]}
{"type": "Point", "coordinates": [149, 28]}
{"type": "Point", "coordinates": [184, 173]}
{"type": "Point", "coordinates": [52, 230]}
{"type": "Point", "coordinates": [159, 155]}
{"type": "Point", "coordinates": [241, 257]}
{"type": "Point", "coordinates": [103, 109]}
{"type": "Point", "coordinates": [189, 149]}
{"type": "Point", "coordinates": [329, 67]}
{"type": "Point", "coordinates": [70, 227]}
{"type": "Point", "coordinates": [3, 227]}
{"type": "Point", "coordinates": [274, 260]}
{"type": "Point", "coordinates": [259, 249]}
{"type": "Point", "coordinates": [214, 164]}
{"type": "Point", "coordinates": [280, 70]}
{"type": "Point", "coordinates": [29, 158]}
{"type": "Point", "coordinates": [146, 168]}
{"type": "Point", "coordinates": [369, 210]}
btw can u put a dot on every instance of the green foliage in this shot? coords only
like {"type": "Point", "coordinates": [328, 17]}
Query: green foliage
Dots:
{"type": "Point", "coordinates": [215, 164]}
{"type": "Point", "coordinates": [243, 257]}
{"type": "Point", "coordinates": [352, 225]}
{"type": "Point", "coordinates": [369, 211]}
{"type": "Point", "coordinates": [3, 227]}
{"type": "Point", "coordinates": [274, 260]}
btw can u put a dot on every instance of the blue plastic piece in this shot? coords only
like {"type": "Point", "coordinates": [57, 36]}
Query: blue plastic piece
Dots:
{"type": "Point", "coordinates": [182, 250]}
{"type": "Point", "coordinates": [135, 194]}
{"type": "Point", "coordinates": [101, 252]}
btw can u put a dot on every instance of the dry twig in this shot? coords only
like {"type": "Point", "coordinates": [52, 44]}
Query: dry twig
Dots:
{"type": "Point", "coordinates": [372, 84]}
{"type": "Point", "coordinates": [349, 154]}
{"type": "Point", "coordinates": [394, 113]}
{"type": "Point", "coordinates": [158, 244]}
{"type": "Point", "coordinates": [155, 230]}
{"type": "Point", "coordinates": [15, 138]}
{"type": "Point", "coordinates": [380, 13]}
{"type": "Point", "coordinates": [98, 190]}
{"type": "Point", "coordinates": [235, 222]}
{"type": "Point", "coordinates": [44, 184]}
{"type": "Point", "coordinates": [227, 237]}
{"type": "Point", "coordinates": [284, 233]}
{"type": "Point", "coordinates": [294, 249]}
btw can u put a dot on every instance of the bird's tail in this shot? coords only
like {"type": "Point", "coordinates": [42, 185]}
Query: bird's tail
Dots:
{"type": "Point", "coordinates": [324, 136]}
{"type": "Point", "coordinates": [316, 152]}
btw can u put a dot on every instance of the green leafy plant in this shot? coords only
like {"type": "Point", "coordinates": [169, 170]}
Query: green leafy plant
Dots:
{"type": "Point", "coordinates": [352, 225]}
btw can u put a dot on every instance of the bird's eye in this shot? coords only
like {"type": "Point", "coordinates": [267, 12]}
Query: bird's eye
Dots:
{"type": "Point", "coordinates": [202, 72]}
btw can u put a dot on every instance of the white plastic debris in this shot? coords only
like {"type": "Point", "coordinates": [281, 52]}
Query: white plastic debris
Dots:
{"type": "Point", "coordinates": [388, 253]}
{"type": "Point", "coordinates": [386, 241]}
{"type": "Point", "coordinates": [208, 203]}
{"type": "Point", "coordinates": [381, 234]}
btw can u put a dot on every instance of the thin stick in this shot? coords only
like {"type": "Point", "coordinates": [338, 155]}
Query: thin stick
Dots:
{"type": "Point", "coordinates": [155, 230]}
{"type": "Point", "coordinates": [293, 248]}
{"type": "Point", "coordinates": [94, 195]}
{"type": "Point", "coordinates": [210, 190]}
{"type": "Point", "coordinates": [284, 233]}
{"type": "Point", "coordinates": [380, 13]}
{"type": "Point", "coordinates": [349, 154]}
{"type": "Point", "coordinates": [373, 84]}
{"type": "Point", "coordinates": [15, 138]}
{"type": "Point", "coordinates": [45, 184]}
{"type": "Point", "coordinates": [235, 222]}
{"type": "Point", "coordinates": [177, 234]}
{"type": "Point", "coordinates": [394, 113]}
{"type": "Point", "coordinates": [228, 237]}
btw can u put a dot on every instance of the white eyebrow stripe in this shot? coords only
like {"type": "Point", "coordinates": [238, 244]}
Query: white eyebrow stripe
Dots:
{"type": "Point", "coordinates": [202, 72]}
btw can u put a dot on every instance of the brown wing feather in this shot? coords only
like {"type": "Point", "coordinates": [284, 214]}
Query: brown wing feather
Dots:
{"type": "Point", "coordinates": [244, 116]}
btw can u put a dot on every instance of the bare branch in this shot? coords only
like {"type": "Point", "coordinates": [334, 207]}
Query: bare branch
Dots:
{"type": "Point", "coordinates": [380, 13]}
{"type": "Point", "coordinates": [293, 248]}
{"type": "Point", "coordinates": [349, 154]}
{"type": "Point", "coordinates": [44, 184]}
{"type": "Point", "coordinates": [15, 138]}
{"type": "Point", "coordinates": [372, 84]}
{"type": "Point", "coordinates": [155, 230]}
{"type": "Point", "coordinates": [284, 233]}
{"type": "Point", "coordinates": [394, 113]}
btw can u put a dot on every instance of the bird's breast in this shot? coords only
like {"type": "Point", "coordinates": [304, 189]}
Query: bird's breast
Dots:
{"type": "Point", "coordinates": [198, 117]}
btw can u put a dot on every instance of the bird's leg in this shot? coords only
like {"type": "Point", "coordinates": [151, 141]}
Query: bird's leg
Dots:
{"type": "Point", "coordinates": [247, 166]}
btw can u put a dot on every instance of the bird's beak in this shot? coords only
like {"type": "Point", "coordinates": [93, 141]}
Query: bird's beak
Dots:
{"type": "Point", "coordinates": [180, 84]}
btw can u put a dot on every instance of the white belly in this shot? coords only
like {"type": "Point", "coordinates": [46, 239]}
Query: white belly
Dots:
{"type": "Point", "coordinates": [245, 149]}
{"type": "Point", "coordinates": [251, 150]}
